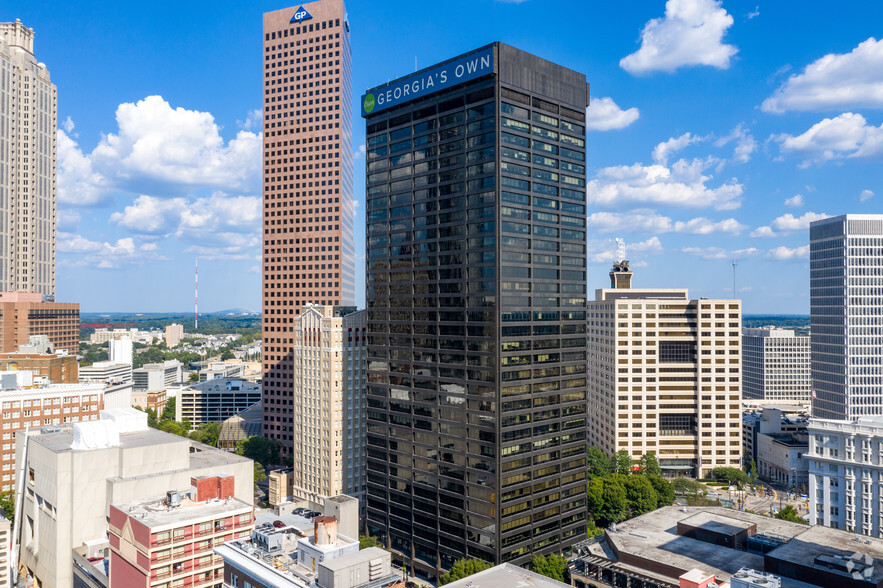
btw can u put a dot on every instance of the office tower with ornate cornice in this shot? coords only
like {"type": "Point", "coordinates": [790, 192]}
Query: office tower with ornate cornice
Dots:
{"type": "Point", "coordinates": [308, 251]}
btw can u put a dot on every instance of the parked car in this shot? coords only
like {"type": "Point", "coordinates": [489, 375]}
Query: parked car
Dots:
{"type": "Point", "coordinates": [300, 511]}
{"type": "Point", "coordinates": [279, 524]}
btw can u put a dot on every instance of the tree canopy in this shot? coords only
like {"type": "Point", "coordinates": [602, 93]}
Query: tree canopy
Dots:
{"type": "Point", "coordinates": [265, 451]}
{"type": "Point", "coordinates": [789, 513]}
{"type": "Point", "coordinates": [461, 569]}
{"type": "Point", "coordinates": [552, 566]}
{"type": "Point", "coordinates": [649, 464]}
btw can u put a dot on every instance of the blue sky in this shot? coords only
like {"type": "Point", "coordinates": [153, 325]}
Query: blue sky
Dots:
{"type": "Point", "coordinates": [718, 130]}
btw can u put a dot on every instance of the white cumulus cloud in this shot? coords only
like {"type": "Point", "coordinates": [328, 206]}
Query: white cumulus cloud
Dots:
{"type": "Point", "coordinates": [795, 201]}
{"type": "Point", "coordinates": [158, 150]}
{"type": "Point", "coordinates": [683, 184]}
{"type": "Point", "coordinates": [765, 231]}
{"type": "Point", "coordinates": [835, 81]}
{"type": "Point", "coordinates": [865, 195]}
{"type": "Point", "coordinates": [604, 251]}
{"type": "Point", "coordinates": [745, 144]}
{"type": "Point", "coordinates": [666, 149]}
{"type": "Point", "coordinates": [789, 223]}
{"type": "Point", "coordinates": [603, 114]}
{"type": "Point", "coordinates": [719, 253]}
{"type": "Point", "coordinates": [690, 33]}
{"type": "Point", "coordinates": [783, 253]}
{"type": "Point", "coordinates": [644, 220]}
{"type": "Point", "coordinates": [847, 136]}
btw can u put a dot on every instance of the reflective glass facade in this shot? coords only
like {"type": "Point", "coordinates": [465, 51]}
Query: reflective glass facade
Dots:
{"type": "Point", "coordinates": [476, 295]}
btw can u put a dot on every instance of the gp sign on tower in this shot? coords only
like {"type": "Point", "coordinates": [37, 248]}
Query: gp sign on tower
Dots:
{"type": "Point", "coordinates": [451, 73]}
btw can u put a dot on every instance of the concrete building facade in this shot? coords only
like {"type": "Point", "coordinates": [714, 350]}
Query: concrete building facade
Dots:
{"type": "Point", "coordinates": [664, 376]}
{"type": "Point", "coordinates": [23, 315]}
{"type": "Point", "coordinates": [119, 459]}
{"type": "Point", "coordinates": [846, 327]}
{"type": "Point", "coordinates": [28, 160]}
{"type": "Point", "coordinates": [775, 365]}
{"type": "Point", "coordinates": [120, 350]}
{"type": "Point", "coordinates": [309, 255]}
{"type": "Point", "coordinates": [476, 293]}
{"type": "Point", "coordinates": [174, 334]}
{"type": "Point", "coordinates": [846, 474]}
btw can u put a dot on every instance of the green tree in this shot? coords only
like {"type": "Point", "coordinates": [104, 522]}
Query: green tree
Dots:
{"type": "Point", "coordinates": [606, 500]}
{"type": "Point", "coordinates": [365, 541]}
{"type": "Point", "coordinates": [260, 474]}
{"type": "Point", "coordinates": [227, 355]}
{"type": "Point", "coordinates": [665, 494]}
{"type": "Point", "coordinates": [7, 503]}
{"type": "Point", "coordinates": [640, 495]}
{"type": "Point", "coordinates": [598, 464]}
{"type": "Point", "coordinates": [193, 377]}
{"type": "Point", "coordinates": [462, 568]}
{"type": "Point", "coordinates": [622, 462]}
{"type": "Point", "coordinates": [207, 433]}
{"type": "Point", "coordinates": [649, 464]}
{"type": "Point", "coordinates": [173, 427]}
{"type": "Point", "coordinates": [688, 487]}
{"type": "Point", "coordinates": [789, 513]}
{"type": "Point", "coordinates": [168, 411]}
{"type": "Point", "coordinates": [731, 475]}
{"type": "Point", "coordinates": [265, 451]}
{"type": "Point", "coordinates": [552, 566]}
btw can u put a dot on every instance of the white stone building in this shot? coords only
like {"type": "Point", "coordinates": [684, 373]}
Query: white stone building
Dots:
{"type": "Point", "coordinates": [846, 474]}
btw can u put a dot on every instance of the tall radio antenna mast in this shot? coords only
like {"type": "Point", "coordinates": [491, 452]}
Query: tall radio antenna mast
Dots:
{"type": "Point", "coordinates": [196, 297]}
{"type": "Point", "coordinates": [734, 279]}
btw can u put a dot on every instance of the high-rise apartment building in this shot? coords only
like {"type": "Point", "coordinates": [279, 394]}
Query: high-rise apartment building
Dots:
{"type": "Point", "coordinates": [775, 365]}
{"type": "Point", "coordinates": [28, 122]}
{"type": "Point", "coordinates": [846, 326]}
{"type": "Point", "coordinates": [322, 389]}
{"type": "Point", "coordinates": [664, 375]}
{"type": "Point", "coordinates": [308, 253]}
{"type": "Point", "coordinates": [476, 251]}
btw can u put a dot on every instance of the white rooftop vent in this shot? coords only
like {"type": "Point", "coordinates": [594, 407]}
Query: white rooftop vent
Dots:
{"type": "Point", "coordinates": [95, 435]}
{"type": "Point", "coordinates": [127, 420]}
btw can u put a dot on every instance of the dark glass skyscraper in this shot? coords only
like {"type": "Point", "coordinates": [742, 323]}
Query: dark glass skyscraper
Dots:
{"type": "Point", "coordinates": [476, 259]}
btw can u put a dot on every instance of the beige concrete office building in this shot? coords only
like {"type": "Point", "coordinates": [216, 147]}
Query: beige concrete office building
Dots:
{"type": "Point", "coordinates": [309, 255]}
{"type": "Point", "coordinates": [322, 345]}
{"type": "Point", "coordinates": [664, 376]}
{"type": "Point", "coordinates": [28, 123]}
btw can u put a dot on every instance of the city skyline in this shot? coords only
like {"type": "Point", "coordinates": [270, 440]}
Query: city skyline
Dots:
{"type": "Point", "coordinates": [159, 163]}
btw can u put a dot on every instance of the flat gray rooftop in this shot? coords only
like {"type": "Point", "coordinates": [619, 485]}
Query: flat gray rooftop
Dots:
{"type": "Point", "coordinates": [506, 576]}
{"type": "Point", "coordinates": [350, 559]}
{"type": "Point", "coordinates": [819, 540]}
{"type": "Point", "coordinates": [716, 522]}
{"type": "Point", "coordinates": [653, 537]}
{"type": "Point", "coordinates": [59, 442]}
{"type": "Point", "coordinates": [156, 515]}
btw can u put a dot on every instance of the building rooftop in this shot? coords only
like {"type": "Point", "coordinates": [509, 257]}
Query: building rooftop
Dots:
{"type": "Point", "coordinates": [506, 576]}
{"type": "Point", "coordinates": [653, 539]}
{"type": "Point", "coordinates": [157, 515]}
